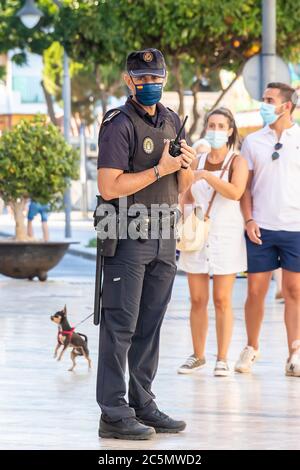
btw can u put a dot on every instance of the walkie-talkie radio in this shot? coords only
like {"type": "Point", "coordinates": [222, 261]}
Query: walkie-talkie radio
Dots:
{"type": "Point", "coordinates": [174, 148]}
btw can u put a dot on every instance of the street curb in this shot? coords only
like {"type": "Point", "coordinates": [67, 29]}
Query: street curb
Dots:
{"type": "Point", "coordinates": [5, 234]}
{"type": "Point", "coordinates": [82, 254]}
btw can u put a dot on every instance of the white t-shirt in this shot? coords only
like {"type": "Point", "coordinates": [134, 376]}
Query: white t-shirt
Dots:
{"type": "Point", "coordinates": [276, 184]}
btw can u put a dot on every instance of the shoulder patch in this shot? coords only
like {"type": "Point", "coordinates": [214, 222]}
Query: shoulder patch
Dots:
{"type": "Point", "coordinates": [111, 116]}
{"type": "Point", "coordinates": [169, 109]}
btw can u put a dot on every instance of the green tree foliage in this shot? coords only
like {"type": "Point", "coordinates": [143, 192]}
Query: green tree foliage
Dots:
{"type": "Point", "coordinates": [89, 83]}
{"type": "Point", "coordinates": [36, 163]}
{"type": "Point", "coordinates": [90, 31]}
{"type": "Point", "coordinates": [14, 35]}
{"type": "Point", "coordinates": [197, 36]}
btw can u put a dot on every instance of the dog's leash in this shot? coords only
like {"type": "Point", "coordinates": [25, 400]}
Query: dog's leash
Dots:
{"type": "Point", "coordinates": [82, 321]}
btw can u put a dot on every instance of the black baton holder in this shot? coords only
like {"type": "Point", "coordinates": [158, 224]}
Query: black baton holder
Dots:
{"type": "Point", "coordinates": [106, 247]}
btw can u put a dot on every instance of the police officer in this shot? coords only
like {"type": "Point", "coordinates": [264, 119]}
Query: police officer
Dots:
{"type": "Point", "coordinates": [134, 162]}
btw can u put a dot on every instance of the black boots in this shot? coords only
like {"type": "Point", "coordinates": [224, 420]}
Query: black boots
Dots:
{"type": "Point", "coordinates": [141, 427]}
{"type": "Point", "coordinates": [162, 422]}
{"type": "Point", "coordinates": [125, 428]}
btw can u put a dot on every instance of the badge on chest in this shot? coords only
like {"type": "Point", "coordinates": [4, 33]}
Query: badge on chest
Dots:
{"type": "Point", "coordinates": [148, 145]}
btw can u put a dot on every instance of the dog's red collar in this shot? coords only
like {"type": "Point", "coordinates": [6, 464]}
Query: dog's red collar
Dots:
{"type": "Point", "coordinates": [69, 332]}
{"type": "Point", "coordinates": [66, 333]}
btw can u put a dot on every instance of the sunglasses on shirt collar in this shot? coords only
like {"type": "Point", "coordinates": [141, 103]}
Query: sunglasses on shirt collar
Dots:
{"type": "Point", "coordinates": [276, 155]}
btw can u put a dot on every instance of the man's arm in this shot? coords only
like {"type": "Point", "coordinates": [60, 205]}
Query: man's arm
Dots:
{"type": "Point", "coordinates": [114, 183]}
{"type": "Point", "coordinates": [252, 228]}
{"type": "Point", "coordinates": [113, 160]}
{"type": "Point", "coordinates": [246, 199]}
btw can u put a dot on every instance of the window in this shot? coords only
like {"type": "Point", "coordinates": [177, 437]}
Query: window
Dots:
{"type": "Point", "coordinates": [30, 89]}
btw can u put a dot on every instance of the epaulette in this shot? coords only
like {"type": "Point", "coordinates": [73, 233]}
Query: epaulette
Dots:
{"type": "Point", "coordinates": [110, 116]}
{"type": "Point", "coordinates": [172, 111]}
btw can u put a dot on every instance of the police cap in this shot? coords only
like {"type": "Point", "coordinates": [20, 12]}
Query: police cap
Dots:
{"type": "Point", "coordinates": [146, 62]}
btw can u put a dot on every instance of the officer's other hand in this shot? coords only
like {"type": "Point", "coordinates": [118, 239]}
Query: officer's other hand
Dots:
{"type": "Point", "coordinates": [253, 232]}
{"type": "Point", "coordinates": [168, 164]}
{"type": "Point", "coordinates": [188, 154]}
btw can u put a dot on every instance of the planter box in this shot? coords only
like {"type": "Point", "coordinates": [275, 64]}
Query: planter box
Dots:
{"type": "Point", "coordinates": [26, 260]}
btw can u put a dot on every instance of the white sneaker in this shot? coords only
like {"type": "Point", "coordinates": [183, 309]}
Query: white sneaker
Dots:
{"type": "Point", "coordinates": [292, 367]}
{"type": "Point", "coordinates": [192, 364]}
{"type": "Point", "coordinates": [221, 369]}
{"type": "Point", "coordinates": [247, 358]}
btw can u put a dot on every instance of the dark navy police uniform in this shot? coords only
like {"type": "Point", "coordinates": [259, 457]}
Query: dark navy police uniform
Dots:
{"type": "Point", "coordinates": [138, 280]}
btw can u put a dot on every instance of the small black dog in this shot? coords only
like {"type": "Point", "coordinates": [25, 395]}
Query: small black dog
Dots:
{"type": "Point", "coordinates": [66, 337]}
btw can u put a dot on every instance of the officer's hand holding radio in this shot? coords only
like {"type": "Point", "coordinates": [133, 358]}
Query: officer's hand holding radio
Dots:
{"type": "Point", "coordinates": [188, 154]}
{"type": "Point", "coordinates": [168, 164]}
{"type": "Point", "coordinates": [179, 147]}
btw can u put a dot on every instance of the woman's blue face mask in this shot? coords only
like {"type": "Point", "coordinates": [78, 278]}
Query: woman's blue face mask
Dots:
{"type": "Point", "coordinates": [216, 139]}
{"type": "Point", "coordinates": [148, 94]}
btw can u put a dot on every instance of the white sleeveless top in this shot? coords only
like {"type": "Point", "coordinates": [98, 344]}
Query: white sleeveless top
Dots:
{"type": "Point", "coordinates": [225, 250]}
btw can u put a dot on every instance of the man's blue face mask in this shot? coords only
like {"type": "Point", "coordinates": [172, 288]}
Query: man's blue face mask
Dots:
{"type": "Point", "coordinates": [148, 94]}
{"type": "Point", "coordinates": [268, 112]}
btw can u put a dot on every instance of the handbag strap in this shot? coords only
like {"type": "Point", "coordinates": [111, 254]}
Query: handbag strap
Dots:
{"type": "Point", "coordinates": [206, 216]}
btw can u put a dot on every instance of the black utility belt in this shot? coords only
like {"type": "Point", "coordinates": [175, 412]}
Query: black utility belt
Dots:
{"type": "Point", "coordinates": [170, 218]}
{"type": "Point", "coordinates": [144, 228]}
{"type": "Point", "coordinates": [125, 227]}
{"type": "Point", "coordinates": [120, 220]}
{"type": "Point", "coordinates": [109, 232]}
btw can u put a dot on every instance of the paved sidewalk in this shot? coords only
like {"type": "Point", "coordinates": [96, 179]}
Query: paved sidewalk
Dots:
{"type": "Point", "coordinates": [43, 406]}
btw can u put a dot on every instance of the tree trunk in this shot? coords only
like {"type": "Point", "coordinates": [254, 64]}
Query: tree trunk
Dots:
{"type": "Point", "coordinates": [104, 102]}
{"type": "Point", "coordinates": [223, 93]}
{"type": "Point", "coordinates": [196, 115]}
{"type": "Point", "coordinates": [103, 93]}
{"type": "Point", "coordinates": [18, 208]}
{"type": "Point", "coordinates": [49, 103]}
{"type": "Point", "coordinates": [114, 86]}
{"type": "Point", "coordinates": [178, 85]}
{"type": "Point", "coordinates": [221, 96]}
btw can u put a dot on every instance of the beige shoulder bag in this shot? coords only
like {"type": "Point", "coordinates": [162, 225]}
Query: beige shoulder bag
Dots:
{"type": "Point", "coordinates": [193, 230]}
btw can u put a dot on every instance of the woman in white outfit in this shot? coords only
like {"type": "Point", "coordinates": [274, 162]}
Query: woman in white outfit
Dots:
{"type": "Point", "coordinates": [224, 254]}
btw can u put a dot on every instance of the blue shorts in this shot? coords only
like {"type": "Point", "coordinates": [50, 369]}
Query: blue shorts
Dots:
{"type": "Point", "coordinates": [279, 249]}
{"type": "Point", "coordinates": [36, 208]}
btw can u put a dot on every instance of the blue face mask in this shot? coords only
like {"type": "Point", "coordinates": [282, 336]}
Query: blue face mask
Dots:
{"type": "Point", "coordinates": [267, 112]}
{"type": "Point", "coordinates": [148, 94]}
{"type": "Point", "coordinates": [216, 139]}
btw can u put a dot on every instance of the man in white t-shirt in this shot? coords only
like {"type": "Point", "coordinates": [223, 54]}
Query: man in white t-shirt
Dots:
{"type": "Point", "coordinates": [271, 208]}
